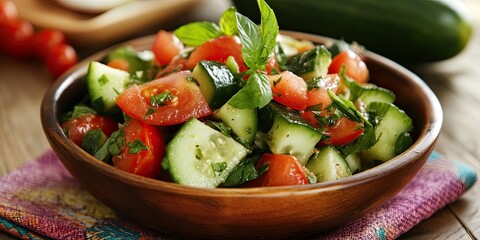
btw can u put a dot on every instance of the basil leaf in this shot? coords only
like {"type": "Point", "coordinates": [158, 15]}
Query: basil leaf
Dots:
{"type": "Point", "coordinates": [228, 22]}
{"type": "Point", "coordinates": [93, 140]}
{"type": "Point", "coordinates": [244, 172]}
{"type": "Point", "coordinates": [136, 146]}
{"type": "Point", "coordinates": [256, 93]}
{"type": "Point", "coordinates": [365, 141]}
{"type": "Point", "coordinates": [252, 42]}
{"type": "Point", "coordinates": [112, 146]}
{"type": "Point", "coordinates": [197, 33]}
{"type": "Point", "coordinates": [269, 29]}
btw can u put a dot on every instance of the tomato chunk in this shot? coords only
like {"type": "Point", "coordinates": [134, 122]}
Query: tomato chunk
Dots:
{"type": "Point", "coordinates": [182, 100]}
{"type": "Point", "coordinates": [289, 90]}
{"type": "Point", "coordinates": [76, 128]}
{"type": "Point", "coordinates": [355, 66]}
{"type": "Point", "coordinates": [143, 151]}
{"type": "Point", "coordinates": [283, 170]}
{"type": "Point", "coordinates": [342, 132]}
{"type": "Point", "coordinates": [165, 47]}
{"type": "Point", "coordinates": [218, 49]}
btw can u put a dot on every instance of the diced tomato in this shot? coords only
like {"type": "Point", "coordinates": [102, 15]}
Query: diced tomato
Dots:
{"type": "Point", "coordinates": [318, 96]}
{"type": "Point", "coordinates": [289, 90]}
{"type": "Point", "coordinates": [143, 151]}
{"type": "Point", "coordinates": [218, 49]}
{"type": "Point", "coordinates": [342, 132]}
{"type": "Point", "coordinates": [185, 101]}
{"type": "Point", "coordinates": [272, 63]}
{"type": "Point", "coordinates": [283, 170]}
{"type": "Point", "coordinates": [355, 66]}
{"type": "Point", "coordinates": [76, 128]}
{"type": "Point", "coordinates": [165, 47]}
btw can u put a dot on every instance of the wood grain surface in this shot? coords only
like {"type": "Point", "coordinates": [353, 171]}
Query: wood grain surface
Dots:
{"type": "Point", "coordinates": [456, 83]}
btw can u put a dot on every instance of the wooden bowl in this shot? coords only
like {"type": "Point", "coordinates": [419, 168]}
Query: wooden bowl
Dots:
{"type": "Point", "coordinates": [272, 212]}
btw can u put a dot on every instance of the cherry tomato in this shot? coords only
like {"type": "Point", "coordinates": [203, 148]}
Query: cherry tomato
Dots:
{"type": "Point", "coordinates": [355, 66]}
{"type": "Point", "coordinates": [342, 132]}
{"type": "Point", "coordinates": [184, 101]}
{"type": "Point", "coordinates": [143, 151]}
{"type": "Point", "coordinates": [45, 40]}
{"type": "Point", "coordinates": [8, 11]}
{"type": "Point", "coordinates": [119, 63]}
{"type": "Point", "coordinates": [15, 38]}
{"type": "Point", "coordinates": [218, 49]}
{"type": "Point", "coordinates": [289, 90]}
{"type": "Point", "coordinates": [61, 58]}
{"type": "Point", "coordinates": [165, 47]}
{"type": "Point", "coordinates": [76, 128]}
{"type": "Point", "coordinates": [272, 63]}
{"type": "Point", "coordinates": [283, 170]}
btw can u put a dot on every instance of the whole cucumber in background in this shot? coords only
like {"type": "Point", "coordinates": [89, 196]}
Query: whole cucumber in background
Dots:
{"type": "Point", "coordinates": [407, 31]}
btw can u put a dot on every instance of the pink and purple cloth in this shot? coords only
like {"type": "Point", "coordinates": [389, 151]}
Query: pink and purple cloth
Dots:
{"type": "Point", "coordinates": [41, 200]}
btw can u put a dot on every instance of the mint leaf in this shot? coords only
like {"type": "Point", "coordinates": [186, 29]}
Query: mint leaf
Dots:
{"type": "Point", "coordinates": [197, 33]}
{"type": "Point", "coordinates": [228, 22]}
{"type": "Point", "coordinates": [256, 93]}
{"type": "Point", "coordinates": [269, 29]}
{"type": "Point", "coordinates": [252, 42]}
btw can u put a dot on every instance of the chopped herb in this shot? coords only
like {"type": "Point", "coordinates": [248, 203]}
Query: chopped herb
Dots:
{"type": "Point", "coordinates": [136, 146]}
{"type": "Point", "coordinates": [277, 81]}
{"type": "Point", "coordinates": [245, 171]}
{"type": "Point", "coordinates": [192, 79]}
{"type": "Point", "coordinates": [161, 99]}
{"type": "Point", "coordinates": [220, 126]}
{"type": "Point", "coordinates": [93, 140]}
{"type": "Point", "coordinates": [103, 80]}
{"type": "Point", "coordinates": [347, 108]}
{"type": "Point", "coordinates": [150, 111]}
{"type": "Point", "coordinates": [80, 110]}
{"type": "Point", "coordinates": [219, 166]}
{"type": "Point", "coordinates": [112, 146]}
{"type": "Point", "coordinates": [198, 153]}
{"type": "Point", "coordinates": [365, 141]}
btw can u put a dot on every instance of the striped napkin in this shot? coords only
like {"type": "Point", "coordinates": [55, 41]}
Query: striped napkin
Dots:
{"type": "Point", "coordinates": [41, 200]}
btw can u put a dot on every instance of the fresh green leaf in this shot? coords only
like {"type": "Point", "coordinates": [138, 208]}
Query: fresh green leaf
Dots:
{"type": "Point", "coordinates": [80, 110]}
{"type": "Point", "coordinates": [244, 172]}
{"type": "Point", "coordinates": [228, 22]}
{"type": "Point", "coordinates": [221, 127]}
{"type": "Point", "coordinates": [252, 42]}
{"type": "Point", "coordinates": [269, 29]}
{"type": "Point", "coordinates": [93, 140]}
{"type": "Point", "coordinates": [365, 141]}
{"type": "Point", "coordinates": [256, 93]}
{"type": "Point", "coordinates": [347, 108]}
{"type": "Point", "coordinates": [136, 146]}
{"type": "Point", "coordinates": [197, 33]}
{"type": "Point", "coordinates": [403, 142]}
{"type": "Point", "coordinates": [161, 99]}
{"type": "Point", "coordinates": [112, 146]}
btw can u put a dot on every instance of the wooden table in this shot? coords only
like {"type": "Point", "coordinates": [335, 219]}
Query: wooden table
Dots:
{"type": "Point", "coordinates": [456, 83]}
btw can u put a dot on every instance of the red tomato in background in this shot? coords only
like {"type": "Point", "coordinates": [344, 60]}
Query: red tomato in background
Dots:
{"type": "Point", "coordinates": [143, 151]}
{"type": "Point", "coordinates": [187, 101]}
{"type": "Point", "coordinates": [283, 170]}
{"type": "Point", "coordinates": [120, 64]}
{"type": "Point", "coordinates": [45, 40]}
{"type": "Point", "coordinates": [15, 38]}
{"type": "Point", "coordinates": [289, 90]}
{"type": "Point", "coordinates": [342, 132]}
{"type": "Point", "coordinates": [78, 127]}
{"type": "Point", "coordinates": [176, 65]}
{"type": "Point", "coordinates": [218, 49]}
{"type": "Point", "coordinates": [61, 58]}
{"type": "Point", "coordinates": [8, 11]}
{"type": "Point", "coordinates": [165, 47]}
{"type": "Point", "coordinates": [356, 67]}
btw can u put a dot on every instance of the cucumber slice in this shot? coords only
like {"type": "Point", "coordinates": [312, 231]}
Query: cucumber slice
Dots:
{"type": "Point", "coordinates": [328, 164]}
{"type": "Point", "coordinates": [104, 84]}
{"type": "Point", "coordinates": [392, 125]}
{"type": "Point", "coordinates": [311, 63]}
{"type": "Point", "coordinates": [354, 162]}
{"type": "Point", "coordinates": [371, 93]}
{"type": "Point", "coordinates": [216, 82]}
{"type": "Point", "coordinates": [242, 121]}
{"type": "Point", "coordinates": [199, 156]}
{"type": "Point", "coordinates": [290, 133]}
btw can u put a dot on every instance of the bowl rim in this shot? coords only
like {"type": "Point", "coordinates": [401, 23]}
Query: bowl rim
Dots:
{"type": "Point", "coordinates": [427, 136]}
